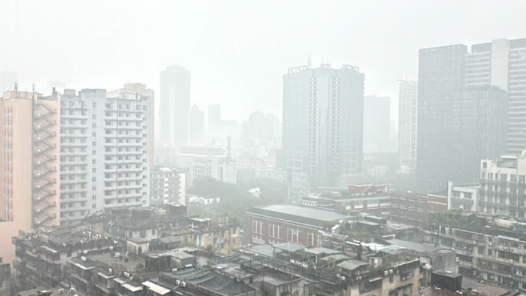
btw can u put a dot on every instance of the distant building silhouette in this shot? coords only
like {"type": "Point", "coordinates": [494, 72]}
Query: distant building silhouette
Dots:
{"type": "Point", "coordinates": [322, 126]}
{"type": "Point", "coordinates": [407, 122]}
{"type": "Point", "coordinates": [197, 126]}
{"type": "Point", "coordinates": [175, 107]}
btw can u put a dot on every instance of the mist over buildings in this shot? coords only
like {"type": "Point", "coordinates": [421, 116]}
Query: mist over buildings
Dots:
{"type": "Point", "coordinates": [254, 148]}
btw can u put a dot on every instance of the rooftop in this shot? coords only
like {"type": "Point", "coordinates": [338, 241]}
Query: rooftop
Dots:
{"type": "Point", "coordinates": [288, 246]}
{"type": "Point", "coordinates": [351, 264]}
{"type": "Point", "coordinates": [421, 248]}
{"type": "Point", "coordinates": [303, 215]}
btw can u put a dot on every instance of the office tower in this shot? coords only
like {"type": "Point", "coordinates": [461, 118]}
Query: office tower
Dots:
{"type": "Point", "coordinates": [502, 63]}
{"type": "Point", "coordinates": [7, 81]}
{"type": "Point", "coordinates": [104, 152]}
{"type": "Point", "coordinates": [175, 107]}
{"type": "Point", "coordinates": [29, 165]}
{"type": "Point", "coordinates": [141, 89]}
{"type": "Point", "coordinates": [440, 77]}
{"type": "Point", "coordinates": [376, 124]}
{"type": "Point", "coordinates": [478, 130]}
{"type": "Point", "coordinates": [407, 122]}
{"type": "Point", "coordinates": [197, 126]}
{"type": "Point", "coordinates": [214, 117]}
{"type": "Point", "coordinates": [322, 126]}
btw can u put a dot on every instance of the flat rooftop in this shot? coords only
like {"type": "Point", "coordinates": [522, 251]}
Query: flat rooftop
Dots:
{"type": "Point", "coordinates": [302, 215]}
{"type": "Point", "coordinates": [421, 248]}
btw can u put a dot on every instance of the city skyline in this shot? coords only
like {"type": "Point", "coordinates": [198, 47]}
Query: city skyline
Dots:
{"type": "Point", "coordinates": [224, 58]}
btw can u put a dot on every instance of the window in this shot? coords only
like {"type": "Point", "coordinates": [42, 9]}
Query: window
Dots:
{"type": "Point", "coordinates": [94, 105]}
{"type": "Point", "coordinates": [503, 177]}
{"type": "Point", "coordinates": [521, 178]}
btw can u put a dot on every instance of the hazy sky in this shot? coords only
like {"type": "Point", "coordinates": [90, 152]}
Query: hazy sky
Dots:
{"type": "Point", "coordinates": [237, 50]}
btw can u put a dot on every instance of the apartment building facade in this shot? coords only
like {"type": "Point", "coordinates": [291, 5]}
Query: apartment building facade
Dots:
{"type": "Point", "coordinates": [503, 186]}
{"type": "Point", "coordinates": [29, 154]}
{"type": "Point", "coordinates": [167, 185]}
{"type": "Point", "coordinates": [493, 255]}
{"type": "Point", "coordinates": [104, 152]}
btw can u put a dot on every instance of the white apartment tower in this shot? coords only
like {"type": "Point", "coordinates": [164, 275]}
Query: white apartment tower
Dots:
{"type": "Point", "coordinates": [322, 126]}
{"type": "Point", "coordinates": [104, 152]}
{"type": "Point", "coordinates": [407, 122]}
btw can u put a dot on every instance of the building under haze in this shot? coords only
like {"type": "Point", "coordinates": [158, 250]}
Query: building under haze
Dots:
{"type": "Point", "coordinates": [440, 77]}
{"type": "Point", "coordinates": [29, 180]}
{"type": "Point", "coordinates": [174, 107]}
{"type": "Point", "coordinates": [478, 130]}
{"type": "Point", "coordinates": [502, 63]}
{"type": "Point", "coordinates": [197, 126]}
{"type": "Point", "coordinates": [462, 100]}
{"type": "Point", "coordinates": [322, 126]}
{"type": "Point", "coordinates": [407, 122]}
{"type": "Point", "coordinates": [104, 152]}
{"type": "Point", "coordinates": [376, 124]}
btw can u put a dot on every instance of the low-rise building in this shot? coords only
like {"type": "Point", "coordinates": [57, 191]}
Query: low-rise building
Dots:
{"type": "Point", "coordinates": [210, 162]}
{"type": "Point", "coordinates": [463, 197]}
{"type": "Point", "coordinates": [289, 223]}
{"type": "Point", "coordinates": [488, 248]}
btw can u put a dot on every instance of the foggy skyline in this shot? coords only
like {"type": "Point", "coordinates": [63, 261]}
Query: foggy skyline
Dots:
{"type": "Point", "coordinates": [237, 51]}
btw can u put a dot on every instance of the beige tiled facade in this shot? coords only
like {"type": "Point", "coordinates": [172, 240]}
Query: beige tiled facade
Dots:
{"type": "Point", "coordinates": [28, 165]}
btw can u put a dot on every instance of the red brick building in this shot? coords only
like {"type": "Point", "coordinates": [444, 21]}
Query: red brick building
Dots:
{"type": "Point", "coordinates": [288, 223]}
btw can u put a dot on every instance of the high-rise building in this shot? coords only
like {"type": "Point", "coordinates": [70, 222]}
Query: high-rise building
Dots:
{"type": "Point", "coordinates": [407, 122]}
{"type": "Point", "coordinates": [104, 152]}
{"type": "Point", "coordinates": [175, 107]}
{"type": "Point", "coordinates": [502, 63]}
{"type": "Point", "coordinates": [440, 77]}
{"type": "Point", "coordinates": [322, 126]}
{"type": "Point", "coordinates": [7, 81]}
{"type": "Point", "coordinates": [376, 124]}
{"type": "Point", "coordinates": [197, 126]}
{"type": "Point", "coordinates": [451, 73]}
{"type": "Point", "coordinates": [141, 89]}
{"type": "Point", "coordinates": [29, 153]}
{"type": "Point", "coordinates": [478, 130]}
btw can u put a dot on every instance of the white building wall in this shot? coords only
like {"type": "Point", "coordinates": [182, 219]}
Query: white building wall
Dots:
{"type": "Point", "coordinates": [104, 152]}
